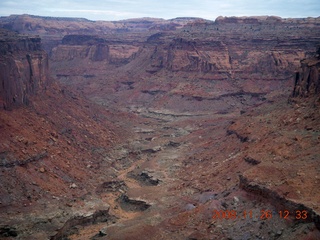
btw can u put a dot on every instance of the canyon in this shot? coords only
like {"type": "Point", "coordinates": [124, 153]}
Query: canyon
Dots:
{"type": "Point", "coordinates": [159, 129]}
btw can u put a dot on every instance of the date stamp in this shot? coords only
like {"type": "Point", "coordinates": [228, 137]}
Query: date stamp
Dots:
{"type": "Point", "coordinates": [263, 215]}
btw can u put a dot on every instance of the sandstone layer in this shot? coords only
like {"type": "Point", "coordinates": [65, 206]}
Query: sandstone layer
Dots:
{"type": "Point", "coordinates": [23, 67]}
{"type": "Point", "coordinates": [307, 79]}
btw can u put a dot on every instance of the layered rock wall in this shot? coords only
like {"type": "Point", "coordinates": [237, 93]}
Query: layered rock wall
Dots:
{"type": "Point", "coordinates": [23, 68]}
{"type": "Point", "coordinates": [307, 79]}
{"type": "Point", "coordinates": [247, 48]}
{"type": "Point", "coordinates": [92, 48]}
{"type": "Point", "coordinates": [195, 56]}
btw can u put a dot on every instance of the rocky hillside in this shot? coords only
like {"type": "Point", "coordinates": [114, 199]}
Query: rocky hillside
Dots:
{"type": "Point", "coordinates": [283, 146]}
{"type": "Point", "coordinates": [50, 141]}
{"type": "Point", "coordinates": [23, 67]}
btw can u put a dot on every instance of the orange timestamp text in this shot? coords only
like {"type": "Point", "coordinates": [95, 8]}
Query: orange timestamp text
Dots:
{"type": "Point", "coordinates": [263, 215]}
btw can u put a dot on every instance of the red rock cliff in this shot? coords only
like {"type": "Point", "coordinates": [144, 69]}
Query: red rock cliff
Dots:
{"type": "Point", "coordinates": [307, 79]}
{"type": "Point", "coordinates": [23, 68]}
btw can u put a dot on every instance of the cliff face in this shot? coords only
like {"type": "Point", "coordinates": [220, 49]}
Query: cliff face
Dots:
{"type": "Point", "coordinates": [23, 68]}
{"type": "Point", "coordinates": [189, 55]}
{"type": "Point", "coordinates": [248, 48]}
{"type": "Point", "coordinates": [307, 79]}
{"type": "Point", "coordinates": [81, 46]}
{"type": "Point", "coordinates": [235, 60]}
{"type": "Point", "coordinates": [92, 48]}
{"type": "Point", "coordinates": [240, 58]}
{"type": "Point", "coordinates": [229, 48]}
{"type": "Point", "coordinates": [65, 26]}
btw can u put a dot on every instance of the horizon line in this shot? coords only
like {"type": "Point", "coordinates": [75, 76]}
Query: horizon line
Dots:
{"type": "Point", "coordinates": [159, 18]}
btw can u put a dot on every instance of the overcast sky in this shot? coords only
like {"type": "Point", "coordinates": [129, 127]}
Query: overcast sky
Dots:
{"type": "Point", "coordinates": [167, 9]}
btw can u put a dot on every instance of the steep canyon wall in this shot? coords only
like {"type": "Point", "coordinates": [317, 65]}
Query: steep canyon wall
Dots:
{"type": "Point", "coordinates": [307, 79]}
{"type": "Point", "coordinates": [23, 68]}
{"type": "Point", "coordinates": [254, 54]}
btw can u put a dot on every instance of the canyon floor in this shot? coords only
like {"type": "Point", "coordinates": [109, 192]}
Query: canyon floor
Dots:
{"type": "Point", "coordinates": [166, 175]}
{"type": "Point", "coordinates": [164, 135]}
{"type": "Point", "coordinates": [190, 166]}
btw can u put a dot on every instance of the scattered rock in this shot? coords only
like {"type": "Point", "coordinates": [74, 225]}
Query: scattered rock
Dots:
{"type": "Point", "coordinates": [189, 207]}
{"type": "Point", "coordinates": [173, 144]}
{"type": "Point", "coordinates": [112, 186]}
{"type": "Point", "coordinates": [42, 170]}
{"type": "Point", "coordinates": [279, 233]}
{"type": "Point", "coordinates": [81, 220]}
{"type": "Point", "coordinates": [7, 231]}
{"type": "Point", "coordinates": [224, 205]}
{"type": "Point", "coordinates": [152, 150]}
{"type": "Point", "coordinates": [148, 177]}
{"type": "Point", "coordinates": [129, 204]}
{"type": "Point", "coordinates": [73, 185]}
{"type": "Point", "coordinates": [103, 232]}
{"type": "Point", "coordinates": [251, 160]}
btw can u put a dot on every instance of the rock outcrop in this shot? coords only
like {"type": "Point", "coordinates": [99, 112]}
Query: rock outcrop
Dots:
{"type": "Point", "coordinates": [254, 55]}
{"type": "Point", "coordinates": [82, 46]}
{"type": "Point", "coordinates": [23, 67]}
{"type": "Point", "coordinates": [233, 48]}
{"type": "Point", "coordinates": [92, 48]}
{"type": "Point", "coordinates": [307, 79]}
{"type": "Point", "coordinates": [228, 48]}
